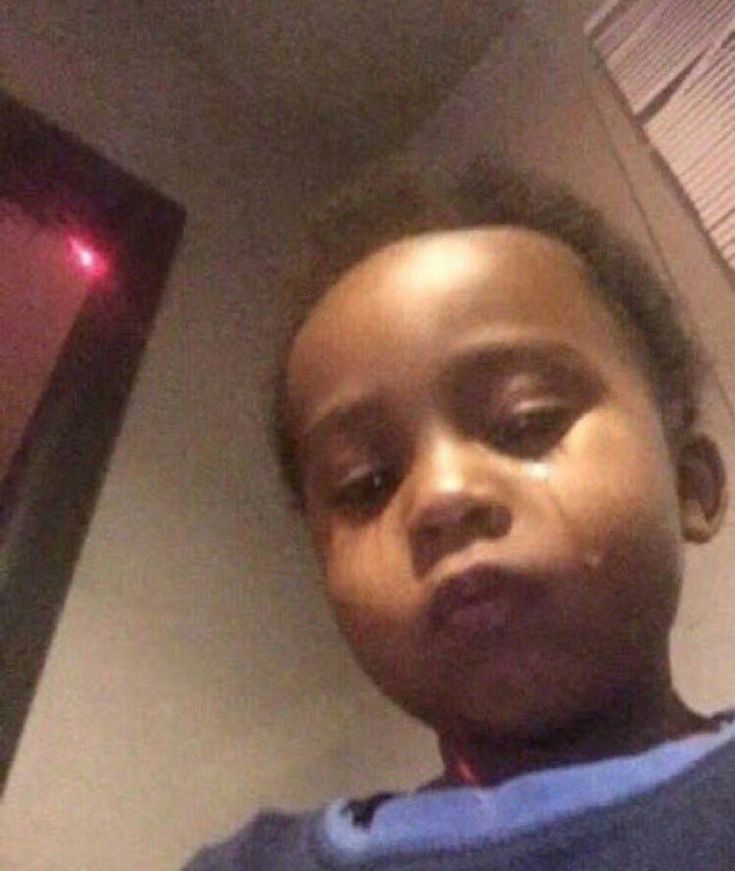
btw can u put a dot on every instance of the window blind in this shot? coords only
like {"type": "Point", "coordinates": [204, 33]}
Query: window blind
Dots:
{"type": "Point", "coordinates": [673, 61]}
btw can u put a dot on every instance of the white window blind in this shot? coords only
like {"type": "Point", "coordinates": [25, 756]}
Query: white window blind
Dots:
{"type": "Point", "coordinates": [674, 64]}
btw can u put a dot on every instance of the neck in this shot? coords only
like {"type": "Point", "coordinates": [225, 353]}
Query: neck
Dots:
{"type": "Point", "coordinates": [486, 758]}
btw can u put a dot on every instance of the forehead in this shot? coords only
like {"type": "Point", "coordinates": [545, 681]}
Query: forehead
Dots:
{"type": "Point", "coordinates": [401, 310]}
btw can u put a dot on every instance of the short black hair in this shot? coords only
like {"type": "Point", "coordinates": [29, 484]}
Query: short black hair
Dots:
{"type": "Point", "coordinates": [396, 199]}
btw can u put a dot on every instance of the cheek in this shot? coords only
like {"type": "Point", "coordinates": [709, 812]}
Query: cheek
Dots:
{"type": "Point", "coordinates": [621, 473]}
{"type": "Point", "coordinates": [615, 495]}
{"type": "Point", "coordinates": [377, 603]}
{"type": "Point", "coordinates": [367, 575]}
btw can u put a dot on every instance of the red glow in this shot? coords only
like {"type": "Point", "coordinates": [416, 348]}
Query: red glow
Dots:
{"type": "Point", "coordinates": [86, 258]}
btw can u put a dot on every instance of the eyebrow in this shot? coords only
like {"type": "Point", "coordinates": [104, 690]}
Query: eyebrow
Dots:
{"type": "Point", "coordinates": [346, 415]}
{"type": "Point", "coordinates": [352, 413]}
{"type": "Point", "coordinates": [502, 355]}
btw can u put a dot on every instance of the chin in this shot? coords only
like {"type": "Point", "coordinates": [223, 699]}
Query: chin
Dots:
{"type": "Point", "coordinates": [522, 706]}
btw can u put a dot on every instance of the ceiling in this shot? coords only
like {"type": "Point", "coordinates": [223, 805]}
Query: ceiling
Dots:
{"type": "Point", "coordinates": [343, 79]}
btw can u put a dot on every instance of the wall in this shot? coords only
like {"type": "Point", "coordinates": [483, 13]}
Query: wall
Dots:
{"type": "Point", "coordinates": [195, 674]}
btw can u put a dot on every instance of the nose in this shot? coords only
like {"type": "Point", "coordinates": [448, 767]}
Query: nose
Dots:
{"type": "Point", "coordinates": [456, 497]}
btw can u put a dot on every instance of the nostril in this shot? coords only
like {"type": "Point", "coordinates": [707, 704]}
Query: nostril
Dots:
{"type": "Point", "coordinates": [486, 521]}
{"type": "Point", "coordinates": [439, 533]}
{"type": "Point", "coordinates": [500, 521]}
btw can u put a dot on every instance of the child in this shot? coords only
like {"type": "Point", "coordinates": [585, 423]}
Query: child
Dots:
{"type": "Point", "coordinates": [487, 413]}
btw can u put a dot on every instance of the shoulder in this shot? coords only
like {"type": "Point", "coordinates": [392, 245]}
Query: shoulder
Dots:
{"type": "Point", "coordinates": [275, 840]}
{"type": "Point", "coordinates": [272, 840]}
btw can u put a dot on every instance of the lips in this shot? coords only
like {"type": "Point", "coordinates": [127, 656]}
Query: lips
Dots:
{"type": "Point", "coordinates": [480, 597]}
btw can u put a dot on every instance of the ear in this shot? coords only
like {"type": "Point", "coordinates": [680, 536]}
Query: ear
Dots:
{"type": "Point", "coordinates": [702, 484]}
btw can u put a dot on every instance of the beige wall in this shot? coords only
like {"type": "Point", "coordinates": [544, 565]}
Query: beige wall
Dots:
{"type": "Point", "coordinates": [195, 675]}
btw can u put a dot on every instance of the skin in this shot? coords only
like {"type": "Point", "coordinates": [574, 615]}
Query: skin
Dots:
{"type": "Point", "coordinates": [465, 398]}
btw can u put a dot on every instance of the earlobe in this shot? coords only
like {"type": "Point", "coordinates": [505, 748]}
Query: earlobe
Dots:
{"type": "Point", "coordinates": [702, 483]}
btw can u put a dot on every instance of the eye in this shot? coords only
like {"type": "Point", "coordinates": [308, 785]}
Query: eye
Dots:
{"type": "Point", "coordinates": [533, 432]}
{"type": "Point", "coordinates": [365, 492]}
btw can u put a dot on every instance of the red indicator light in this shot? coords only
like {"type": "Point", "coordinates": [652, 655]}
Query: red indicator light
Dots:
{"type": "Point", "coordinates": [86, 258]}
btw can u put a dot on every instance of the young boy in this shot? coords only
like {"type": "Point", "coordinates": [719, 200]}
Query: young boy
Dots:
{"type": "Point", "coordinates": [487, 413]}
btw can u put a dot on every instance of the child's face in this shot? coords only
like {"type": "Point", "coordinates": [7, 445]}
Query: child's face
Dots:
{"type": "Point", "coordinates": [469, 417]}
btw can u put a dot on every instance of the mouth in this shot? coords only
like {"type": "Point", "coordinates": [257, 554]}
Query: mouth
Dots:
{"type": "Point", "coordinates": [483, 600]}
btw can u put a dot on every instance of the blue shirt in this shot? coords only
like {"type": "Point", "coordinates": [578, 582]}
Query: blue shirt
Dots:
{"type": "Point", "coordinates": [671, 807]}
